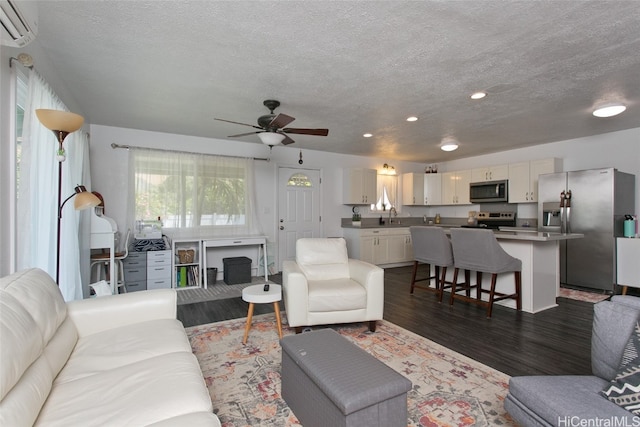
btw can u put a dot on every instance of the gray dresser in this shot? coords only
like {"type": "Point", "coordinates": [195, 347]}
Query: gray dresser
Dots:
{"type": "Point", "coordinates": [147, 270]}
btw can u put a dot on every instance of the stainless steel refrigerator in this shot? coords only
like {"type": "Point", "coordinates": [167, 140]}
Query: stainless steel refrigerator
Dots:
{"type": "Point", "coordinates": [592, 202]}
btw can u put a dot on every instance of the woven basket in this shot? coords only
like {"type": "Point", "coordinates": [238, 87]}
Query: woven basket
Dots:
{"type": "Point", "coordinates": [186, 255]}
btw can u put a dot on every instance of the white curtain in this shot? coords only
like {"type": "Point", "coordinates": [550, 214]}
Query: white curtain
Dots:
{"type": "Point", "coordinates": [195, 195]}
{"type": "Point", "coordinates": [387, 192]}
{"type": "Point", "coordinates": [38, 195]}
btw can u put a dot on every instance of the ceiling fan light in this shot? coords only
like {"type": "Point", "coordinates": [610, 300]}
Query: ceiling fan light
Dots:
{"type": "Point", "coordinates": [449, 145]}
{"type": "Point", "coordinates": [609, 110]}
{"type": "Point", "coordinates": [271, 138]}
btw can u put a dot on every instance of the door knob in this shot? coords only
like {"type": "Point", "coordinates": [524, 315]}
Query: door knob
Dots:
{"type": "Point", "coordinates": [282, 227]}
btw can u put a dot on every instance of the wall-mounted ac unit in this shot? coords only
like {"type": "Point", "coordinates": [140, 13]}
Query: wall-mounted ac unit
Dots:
{"type": "Point", "coordinates": [18, 22]}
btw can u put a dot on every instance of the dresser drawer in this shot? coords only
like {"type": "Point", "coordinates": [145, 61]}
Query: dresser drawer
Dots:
{"type": "Point", "coordinates": [159, 272]}
{"type": "Point", "coordinates": [136, 256]}
{"type": "Point", "coordinates": [159, 283]}
{"type": "Point", "coordinates": [136, 286]}
{"type": "Point", "coordinates": [135, 274]}
{"type": "Point", "coordinates": [158, 258]}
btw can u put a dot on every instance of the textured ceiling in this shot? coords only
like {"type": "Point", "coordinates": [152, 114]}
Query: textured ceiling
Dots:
{"type": "Point", "coordinates": [353, 67]}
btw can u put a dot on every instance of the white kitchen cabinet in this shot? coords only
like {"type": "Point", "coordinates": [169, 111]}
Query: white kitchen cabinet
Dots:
{"type": "Point", "coordinates": [359, 186]}
{"type": "Point", "coordinates": [490, 173]}
{"type": "Point", "coordinates": [380, 246]}
{"type": "Point", "coordinates": [399, 247]}
{"type": "Point", "coordinates": [413, 189]}
{"type": "Point", "coordinates": [540, 167]}
{"type": "Point", "coordinates": [523, 178]}
{"type": "Point", "coordinates": [423, 189]}
{"type": "Point", "coordinates": [432, 189]}
{"type": "Point", "coordinates": [455, 187]}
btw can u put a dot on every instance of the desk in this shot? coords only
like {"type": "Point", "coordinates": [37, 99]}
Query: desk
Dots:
{"type": "Point", "coordinates": [260, 241]}
{"type": "Point", "coordinates": [628, 254]}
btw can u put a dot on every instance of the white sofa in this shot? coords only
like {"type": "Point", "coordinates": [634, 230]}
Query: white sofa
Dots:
{"type": "Point", "coordinates": [323, 286]}
{"type": "Point", "coordinates": [121, 360]}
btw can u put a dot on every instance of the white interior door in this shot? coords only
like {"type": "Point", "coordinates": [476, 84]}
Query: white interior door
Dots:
{"type": "Point", "coordinates": [298, 209]}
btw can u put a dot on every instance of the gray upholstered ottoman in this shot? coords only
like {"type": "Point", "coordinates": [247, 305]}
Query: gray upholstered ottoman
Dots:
{"type": "Point", "coordinates": [328, 381]}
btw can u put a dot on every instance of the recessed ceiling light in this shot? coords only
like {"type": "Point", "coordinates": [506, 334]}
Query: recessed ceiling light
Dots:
{"type": "Point", "coordinates": [478, 95]}
{"type": "Point", "coordinates": [449, 144]}
{"type": "Point", "coordinates": [367, 135]}
{"type": "Point", "coordinates": [609, 110]}
{"type": "Point", "coordinates": [412, 119]}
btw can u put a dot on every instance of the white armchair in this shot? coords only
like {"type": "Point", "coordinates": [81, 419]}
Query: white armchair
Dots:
{"type": "Point", "coordinates": [323, 286]}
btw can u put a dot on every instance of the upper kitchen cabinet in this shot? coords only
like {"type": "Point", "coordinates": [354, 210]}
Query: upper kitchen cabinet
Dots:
{"type": "Point", "coordinates": [455, 187]}
{"type": "Point", "coordinates": [359, 186]}
{"type": "Point", "coordinates": [523, 178]}
{"type": "Point", "coordinates": [432, 189]}
{"type": "Point", "coordinates": [492, 173]}
{"type": "Point", "coordinates": [422, 189]}
{"type": "Point", "coordinates": [413, 189]}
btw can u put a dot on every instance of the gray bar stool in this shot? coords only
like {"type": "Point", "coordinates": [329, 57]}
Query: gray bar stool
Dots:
{"type": "Point", "coordinates": [431, 246]}
{"type": "Point", "coordinates": [478, 250]}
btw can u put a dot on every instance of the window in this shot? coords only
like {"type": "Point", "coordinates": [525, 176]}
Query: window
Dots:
{"type": "Point", "coordinates": [299, 180]}
{"type": "Point", "coordinates": [387, 192]}
{"type": "Point", "coordinates": [194, 194]}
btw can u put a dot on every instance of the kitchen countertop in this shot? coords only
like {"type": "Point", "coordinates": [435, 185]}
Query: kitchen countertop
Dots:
{"type": "Point", "coordinates": [401, 224]}
{"type": "Point", "coordinates": [522, 234]}
{"type": "Point", "coordinates": [536, 236]}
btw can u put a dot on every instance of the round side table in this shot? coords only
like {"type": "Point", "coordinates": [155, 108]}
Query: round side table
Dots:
{"type": "Point", "coordinates": [256, 294]}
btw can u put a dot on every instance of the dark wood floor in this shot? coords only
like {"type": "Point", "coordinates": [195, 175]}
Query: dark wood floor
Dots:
{"type": "Point", "coordinates": [555, 341]}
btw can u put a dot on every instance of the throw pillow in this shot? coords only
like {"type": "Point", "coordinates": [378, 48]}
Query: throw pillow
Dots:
{"type": "Point", "coordinates": [624, 390]}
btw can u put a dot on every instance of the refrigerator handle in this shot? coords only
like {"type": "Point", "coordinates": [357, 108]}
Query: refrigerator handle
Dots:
{"type": "Point", "coordinates": [563, 220]}
{"type": "Point", "coordinates": [568, 209]}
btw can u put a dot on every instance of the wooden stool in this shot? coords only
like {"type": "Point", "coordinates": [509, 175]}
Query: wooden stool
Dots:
{"type": "Point", "coordinates": [256, 294]}
{"type": "Point", "coordinates": [431, 246]}
{"type": "Point", "coordinates": [478, 250]}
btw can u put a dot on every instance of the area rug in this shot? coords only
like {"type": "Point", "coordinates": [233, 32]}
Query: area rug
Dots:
{"type": "Point", "coordinates": [582, 295]}
{"type": "Point", "coordinates": [449, 389]}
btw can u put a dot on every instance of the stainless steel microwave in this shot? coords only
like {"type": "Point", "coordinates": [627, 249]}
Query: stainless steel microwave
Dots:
{"type": "Point", "coordinates": [489, 191]}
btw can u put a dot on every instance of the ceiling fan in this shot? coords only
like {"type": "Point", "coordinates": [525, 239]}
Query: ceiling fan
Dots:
{"type": "Point", "coordinates": [272, 127]}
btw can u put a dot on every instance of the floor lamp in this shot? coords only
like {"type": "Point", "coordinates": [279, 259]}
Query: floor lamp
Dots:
{"type": "Point", "coordinates": [62, 123]}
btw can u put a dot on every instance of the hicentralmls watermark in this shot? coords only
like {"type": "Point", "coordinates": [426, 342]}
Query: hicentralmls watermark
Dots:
{"type": "Point", "coordinates": [576, 421]}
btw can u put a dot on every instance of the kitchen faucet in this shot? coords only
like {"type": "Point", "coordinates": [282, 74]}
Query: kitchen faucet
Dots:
{"type": "Point", "coordinates": [395, 213]}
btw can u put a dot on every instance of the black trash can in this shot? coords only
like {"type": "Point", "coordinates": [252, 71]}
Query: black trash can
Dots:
{"type": "Point", "coordinates": [237, 270]}
{"type": "Point", "coordinates": [212, 275]}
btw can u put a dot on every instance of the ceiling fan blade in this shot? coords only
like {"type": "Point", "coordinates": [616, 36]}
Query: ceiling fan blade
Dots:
{"type": "Point", "coordinates": [280, 121]}
{"type": "Point", "coordinates": [238, 123]}
{"type": "Point", "coordinates": [286, 140]}
{"type": "Point", "coordinates": [244, 134]}
{"type": "Point", "coordinates": [300, 131]}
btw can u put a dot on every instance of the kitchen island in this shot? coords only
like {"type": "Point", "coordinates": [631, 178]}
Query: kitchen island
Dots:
{"type": "Point", "coordinates": [540, 256]}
